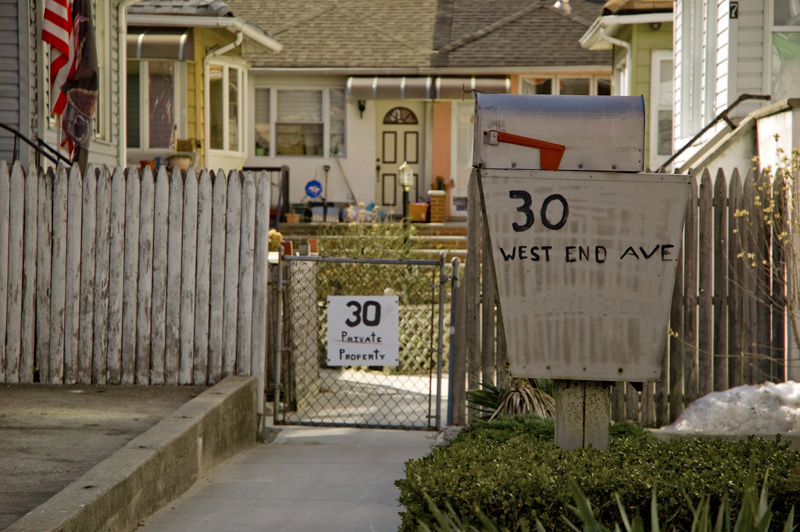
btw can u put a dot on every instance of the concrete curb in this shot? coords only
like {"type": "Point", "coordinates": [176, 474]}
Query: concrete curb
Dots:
{"type": "Point", "coordinates": [156, 467]}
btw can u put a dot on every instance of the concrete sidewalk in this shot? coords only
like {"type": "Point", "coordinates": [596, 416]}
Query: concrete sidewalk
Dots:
{"type": "Point", "coordinates": [94, 458]}
{"type": "Point", "coordinates": [308, 479]}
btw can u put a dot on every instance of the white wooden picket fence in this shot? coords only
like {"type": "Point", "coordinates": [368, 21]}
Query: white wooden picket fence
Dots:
{"type": "Point", "coordinates": [117, 278]}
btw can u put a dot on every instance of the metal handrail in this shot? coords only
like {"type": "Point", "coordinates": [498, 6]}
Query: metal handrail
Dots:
{"type": "Point", "coordinates": [39, 146]}
{"type": "Point", "coordinates": [722, 116]}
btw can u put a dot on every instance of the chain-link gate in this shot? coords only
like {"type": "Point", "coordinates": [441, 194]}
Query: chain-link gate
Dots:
{"type": "Point", "coordinates": [311, 391]}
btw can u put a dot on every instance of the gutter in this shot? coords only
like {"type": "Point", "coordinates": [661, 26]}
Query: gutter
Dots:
{"type": "Point", "coordinates": [628, 56]}
{"type": "Point", "coordinates": [232, 24]}
{"type": "Point", "coordinates": [122, 33]}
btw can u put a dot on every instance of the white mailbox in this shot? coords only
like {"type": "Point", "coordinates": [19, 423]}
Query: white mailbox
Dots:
{"type": "Point", "coordinates": [584, 247]}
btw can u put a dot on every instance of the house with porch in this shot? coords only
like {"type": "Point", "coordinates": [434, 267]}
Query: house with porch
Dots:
{"type": "Point", "coordinates": [186, 79]}
{"type": "Point", "coordinates": [737, 77]}
{"type": "Point", "coordinates": [360, 87]}
{"type": "Point", "coordinates": [639, 34]}
{"type": "Point", "coordinates": [25, 87]}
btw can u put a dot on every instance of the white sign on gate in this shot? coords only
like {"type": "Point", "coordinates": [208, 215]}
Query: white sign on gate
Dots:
{"type": "Point", "coordinates": [363, 331]}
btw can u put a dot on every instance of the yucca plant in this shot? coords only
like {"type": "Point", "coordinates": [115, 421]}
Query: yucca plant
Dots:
{"type": "Point", "coordinates": [515, 395]}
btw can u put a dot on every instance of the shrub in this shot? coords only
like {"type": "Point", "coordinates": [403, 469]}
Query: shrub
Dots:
{"type": "Point", "coordinates": [511, 471]}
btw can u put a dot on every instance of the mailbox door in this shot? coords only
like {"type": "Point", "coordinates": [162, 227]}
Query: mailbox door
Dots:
{"type": "Point", "coordinates": [585, 264]}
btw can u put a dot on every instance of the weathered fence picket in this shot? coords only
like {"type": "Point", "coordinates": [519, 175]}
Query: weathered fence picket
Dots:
{"type": "Point", "coordinates": [145, 285]}
{"type": "Point", "coordinates": [203, 287]}
{"type": "Point", "coordinates": [88, 254]}
{"type": "Point", "coordinates": [705, 286]}
{"type": "Point", "coordinates": [59, 276]}
{"type": "Point", "coordinates": [158, 326]}
{"type": "Point", "coordinates": [119, 278]}
{"type": "Point", "coordinates": [28, 347]}
{"type": "Point", "coordinates": [217, 310]}
{"type": "Point", "coordinates": [244, 329]}
{"type": "Point", "coordinates": [232, 241]}
{"type": "Point", "coordinates": [101, 276]}
{"type": "Point", "coordinates": [720, 254]}
{"type": "Point", "coordinates": [44, 227]}
{"type": "Point", "coordinates": [15, 246]}
{"type": "Point", "coordinates": [174, 253]}
{"type": "Point", "coordinates": [189, 271]}
{"type": "Point", "coordinates": [116, 240]}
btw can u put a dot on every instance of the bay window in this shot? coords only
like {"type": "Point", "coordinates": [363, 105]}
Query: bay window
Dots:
{"type": "Point", "coordinates": [225, 104]}
{"type": "Point", "coordinates": [785, 75]}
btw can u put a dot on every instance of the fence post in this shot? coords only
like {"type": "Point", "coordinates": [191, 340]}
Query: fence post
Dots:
{"type": "Point", "coordinates": [4, 205]}
{"type": "Point", "coordinates": [458, 362]}
{"type": "Point", "coordinates": [488, 331]}
{"type": "Point", "coordinates": [260, 290]}
{"type": "Point", "coordinates": [472, 282]}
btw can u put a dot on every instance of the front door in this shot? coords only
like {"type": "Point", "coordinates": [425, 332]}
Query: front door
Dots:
{"type": "Point", "coordinates": [399, 140]}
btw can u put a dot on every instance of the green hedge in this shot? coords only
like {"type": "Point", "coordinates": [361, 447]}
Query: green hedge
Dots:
{"type": "Point", "coordinates": [511, 471]}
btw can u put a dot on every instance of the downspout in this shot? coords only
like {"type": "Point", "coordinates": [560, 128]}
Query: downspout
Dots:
{"type": "Point", "coordinates": [122, 32]}
{"type": "Point", "coordinates": [628, 56]}
{"type": "Point", "coordinates": [206, 60]}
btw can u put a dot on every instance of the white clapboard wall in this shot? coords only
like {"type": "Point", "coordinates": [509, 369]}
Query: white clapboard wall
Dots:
{"type": "Point", "coordinates": [121, 278]}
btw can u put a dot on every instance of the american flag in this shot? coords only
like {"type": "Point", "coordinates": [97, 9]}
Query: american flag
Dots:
{"type": "Point", "coordinates": [57, 31]}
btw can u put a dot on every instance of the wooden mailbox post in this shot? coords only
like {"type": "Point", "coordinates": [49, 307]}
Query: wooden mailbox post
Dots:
{"type": "Point", "coordinates": [585, 251]}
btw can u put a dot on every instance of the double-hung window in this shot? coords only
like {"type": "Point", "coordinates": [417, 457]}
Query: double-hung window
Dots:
{"type": "Point", "coordinates": [577, 85]}
{"type": "Point", "coordinates": [785, 74]}
{"type": "Point", "coordinates": [660, 118]}
{"type": "Point", "coordinates": [226, 82]}
{"type": "Point", "coordinates": [299, 122]}
{"type": "Point", "coordinates": [156, 104]}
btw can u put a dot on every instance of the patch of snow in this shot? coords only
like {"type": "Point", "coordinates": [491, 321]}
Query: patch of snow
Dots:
{"type": "Point", "coordinates": [752, 409]}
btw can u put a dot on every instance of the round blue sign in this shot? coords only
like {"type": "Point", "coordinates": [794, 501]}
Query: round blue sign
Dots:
{"type": "Point", "coordinates": [313, 188]}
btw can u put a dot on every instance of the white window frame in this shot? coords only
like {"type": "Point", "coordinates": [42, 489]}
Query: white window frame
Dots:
{"type": "Point", "coordinates": [622, 76]}
{"type": "Point", "coordinates": [179, 97]}
{"type": "Point", "coordinates": [769, 17]}
{"type": "Point", "coordinates": [657, 57]}
{"type": "Point", "coordinates": [227, 63]}
{"type": "Point", "coordinates": [102, 125]}
{"type": "Point", "coordinates": [557, 78]}
{"type": "Point", "coordinates": [273, 113]}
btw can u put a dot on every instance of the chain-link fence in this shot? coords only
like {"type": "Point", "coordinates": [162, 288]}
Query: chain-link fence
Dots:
{"type": "Point", "coordinates": [400, 390]}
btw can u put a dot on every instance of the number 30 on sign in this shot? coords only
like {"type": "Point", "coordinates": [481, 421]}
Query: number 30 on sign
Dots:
{"type": "Point", "coordinates": [363, 331]}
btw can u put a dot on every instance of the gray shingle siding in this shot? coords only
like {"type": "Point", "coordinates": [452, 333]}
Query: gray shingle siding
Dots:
{"type": "Point", "coordinates": [9, 75]}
